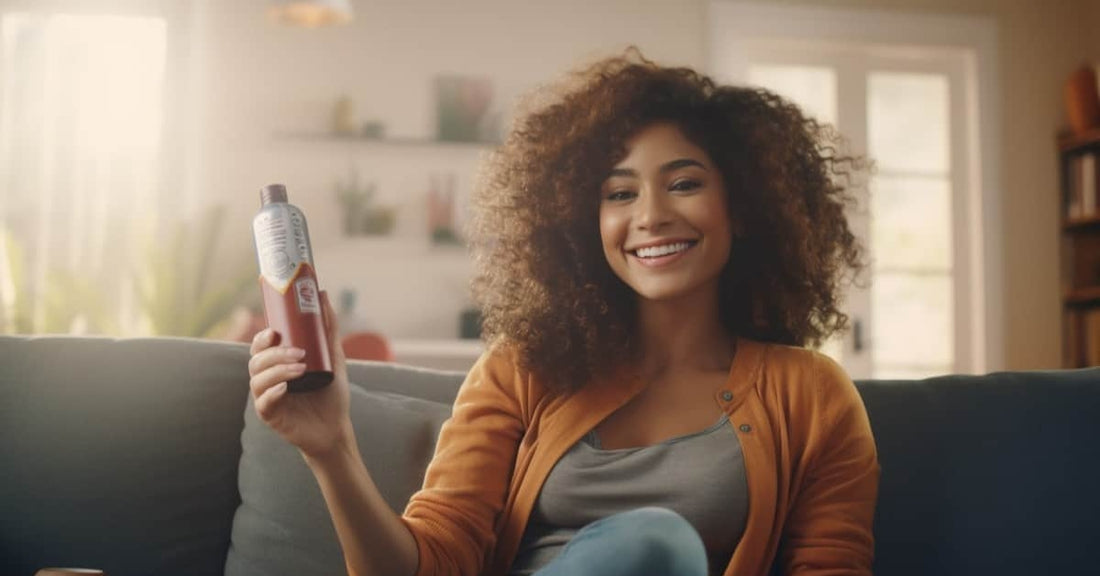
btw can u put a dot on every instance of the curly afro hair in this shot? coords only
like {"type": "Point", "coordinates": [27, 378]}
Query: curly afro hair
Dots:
{"type": "Point", "coordinates": [543, 283]}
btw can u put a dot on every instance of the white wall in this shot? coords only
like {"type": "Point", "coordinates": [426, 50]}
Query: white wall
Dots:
{"type": "Point", "coordinates": [257, 79]}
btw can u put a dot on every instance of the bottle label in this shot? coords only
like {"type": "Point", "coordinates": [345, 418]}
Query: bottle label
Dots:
{"type": "Point", "coordinates": [282, 244]}
{"type": "Point", "coordinates": [308, 298]}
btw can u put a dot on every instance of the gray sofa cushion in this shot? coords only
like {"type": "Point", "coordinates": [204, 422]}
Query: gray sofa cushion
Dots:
{"type": "Point", "coordinates": [87, 424]}
{"type": "Point", "coordinates": [282, 525]}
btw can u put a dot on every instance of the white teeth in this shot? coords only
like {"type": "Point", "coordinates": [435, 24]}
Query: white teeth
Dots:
{"type": "Point", "coordinates": [665, 250]}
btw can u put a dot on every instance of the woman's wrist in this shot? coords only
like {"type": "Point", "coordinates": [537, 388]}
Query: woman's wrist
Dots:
{"type": "Point", "coordinates": [342, 450]}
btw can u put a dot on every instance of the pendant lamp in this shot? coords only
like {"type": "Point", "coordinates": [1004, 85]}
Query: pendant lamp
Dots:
{"type": "Point", "coordinates": [311, 13]}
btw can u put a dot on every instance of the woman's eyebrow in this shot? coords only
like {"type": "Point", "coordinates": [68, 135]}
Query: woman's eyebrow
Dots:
{"type": "Point", "coordinates": [665, 168]}
{"type": "Point", "coordinates": [681, 163]}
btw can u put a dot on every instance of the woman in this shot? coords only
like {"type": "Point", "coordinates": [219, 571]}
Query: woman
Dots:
{"type": "Point", "coordinates": [654, 250]}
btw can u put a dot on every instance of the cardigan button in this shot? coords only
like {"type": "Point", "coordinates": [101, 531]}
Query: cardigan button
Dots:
{"type": "Point", "coordinates": [727, 395]}
{"type": "Point", "coordinates": [746, 428]}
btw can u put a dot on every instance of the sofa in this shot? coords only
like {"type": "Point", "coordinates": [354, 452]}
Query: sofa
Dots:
{"type": "Point", "coordinates": [144, 457]}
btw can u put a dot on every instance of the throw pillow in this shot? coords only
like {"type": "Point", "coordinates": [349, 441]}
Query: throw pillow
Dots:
{"type": "Point", "coordinates": [282, 525]}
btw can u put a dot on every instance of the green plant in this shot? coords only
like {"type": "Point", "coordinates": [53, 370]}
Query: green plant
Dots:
{"type": "Point", "coordinates": [176, 283]}
{"type": "Point", "coordinates": [69, 302]}
{"type": "Point", "coordinates": [361, 215]}
{"type": "Point", "coordinates": [16, 305]}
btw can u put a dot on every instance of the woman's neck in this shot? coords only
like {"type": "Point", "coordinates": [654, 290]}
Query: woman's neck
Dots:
{"type": "Point", "coordinates": [682, 334]}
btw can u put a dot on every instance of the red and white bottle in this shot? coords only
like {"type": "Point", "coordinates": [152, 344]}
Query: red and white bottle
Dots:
{"type": "Point", "coordinates": [292, 296]}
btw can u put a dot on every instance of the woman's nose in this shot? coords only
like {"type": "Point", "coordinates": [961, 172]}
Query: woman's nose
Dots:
{"type": "Point", "coordinates": [652, 211]}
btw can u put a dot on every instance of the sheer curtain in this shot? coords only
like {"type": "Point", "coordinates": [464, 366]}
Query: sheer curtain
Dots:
{"type": "Point", "coordinates": [81, 119]}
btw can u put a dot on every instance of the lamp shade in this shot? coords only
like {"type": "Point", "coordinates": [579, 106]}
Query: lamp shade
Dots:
{"type": "Point", "coordinates": [311, 13]}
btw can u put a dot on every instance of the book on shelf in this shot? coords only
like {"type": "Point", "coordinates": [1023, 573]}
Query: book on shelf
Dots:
{"type": "Point", "coordinates": [1091, 337]}
{"type": "Point", "coordinates": [1083, 194]}
{"type": "Point", "coordinates": [1082, 333]}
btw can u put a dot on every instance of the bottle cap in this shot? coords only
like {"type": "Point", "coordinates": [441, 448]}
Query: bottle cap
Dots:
{"type": "Point", "coordinates": [272, 193]}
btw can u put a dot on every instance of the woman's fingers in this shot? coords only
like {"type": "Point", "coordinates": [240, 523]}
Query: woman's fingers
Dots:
{"type": "Point", "coordinates": [272, 366]}
{"type": "Point", "coordinates": [266, 402]}
{"type": "Point", "coordinates": [275, 375]}
{"type": "Point", "coordinates": [265, 359]}
{"type": "Point", "coordinates": [263, 339]}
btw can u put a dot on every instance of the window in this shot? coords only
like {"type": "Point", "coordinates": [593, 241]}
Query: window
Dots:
{"type": "Point", "coordinates": [81, 100]}
{"type": "Point", "coordinates": [911, 109]}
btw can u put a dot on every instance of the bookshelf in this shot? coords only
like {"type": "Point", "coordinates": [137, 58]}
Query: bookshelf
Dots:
{"type": "Point", "coordinates": [1079, 207]}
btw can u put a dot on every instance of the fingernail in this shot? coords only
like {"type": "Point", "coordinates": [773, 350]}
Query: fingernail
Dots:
{"type": "Point", "coordinates": [299, 367]}
{"type": "Point", "coordinates": [295, 353]}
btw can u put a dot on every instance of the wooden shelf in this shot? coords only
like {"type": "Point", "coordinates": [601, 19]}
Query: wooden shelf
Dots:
{"type": "Point", "coordinates": [1082, 224]}
{"type": "Point", "coordinates": [1084, 297]}
{"type": "Point", "coordinates": [405, 142]}
{"type": "Point", "coordinates": [1075, 142]}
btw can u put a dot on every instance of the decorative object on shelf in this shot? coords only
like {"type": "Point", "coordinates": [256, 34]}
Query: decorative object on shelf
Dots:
{"type": "Point", "coordinates": [1082, 100]}
{"type": "Point", "coordinates": [343, 116]}
{"type": "Point", "coordinates": [361, 217]}
{"type": "Point", "coordinates": [469, 324]}
{"type": "Point", "coordinates": [367, 346]}
{"type": "Point", "coordinates": [374, 129]}
{"type": "Point", "coordinates": [441, 211]}
{"type": "Point", "coordinates": [348, 313]}
{"type": "Point", "coordinates": [311, 13]}
{"type": "Point", "coordinates": [462, 104]}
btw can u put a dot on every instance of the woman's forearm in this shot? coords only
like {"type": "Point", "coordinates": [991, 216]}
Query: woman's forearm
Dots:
{"type": "Point", "coordinates": [374, 539]}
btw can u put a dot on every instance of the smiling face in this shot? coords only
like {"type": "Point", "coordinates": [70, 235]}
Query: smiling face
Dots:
{"type": "Point", "coordinates": [664, 223]}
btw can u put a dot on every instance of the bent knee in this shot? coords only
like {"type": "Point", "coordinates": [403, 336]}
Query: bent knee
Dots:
{"type": "Point", "coordinates": [665, 539]}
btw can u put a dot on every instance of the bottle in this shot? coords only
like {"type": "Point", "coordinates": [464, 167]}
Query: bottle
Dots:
{"type": "Point", "coordinates": [292, 298]}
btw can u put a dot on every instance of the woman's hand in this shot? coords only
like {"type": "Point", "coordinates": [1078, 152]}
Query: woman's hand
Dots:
{"type": "Point", "coordinates": [317, 422]}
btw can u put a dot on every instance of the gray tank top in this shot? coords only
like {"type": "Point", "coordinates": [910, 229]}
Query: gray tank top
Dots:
{"type": "Point", "coordinates": [701, 476]}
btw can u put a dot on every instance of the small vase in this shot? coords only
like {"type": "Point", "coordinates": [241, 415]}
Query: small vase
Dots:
{"type": "Point", "coordinates": [1082, 101]}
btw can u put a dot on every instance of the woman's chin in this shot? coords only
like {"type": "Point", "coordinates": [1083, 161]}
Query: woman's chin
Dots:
{"type": "Point", "coordinates": [662, 291]}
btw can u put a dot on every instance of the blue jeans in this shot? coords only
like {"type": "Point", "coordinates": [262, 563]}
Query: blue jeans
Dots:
{"type": "Point", "coordinates": [644, 542]}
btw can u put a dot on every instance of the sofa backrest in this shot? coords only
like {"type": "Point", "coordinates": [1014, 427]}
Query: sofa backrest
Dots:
{"type": "Point", "coordinates": [119, 454]}
{"type": "Point", "coordinates": [987, 474]}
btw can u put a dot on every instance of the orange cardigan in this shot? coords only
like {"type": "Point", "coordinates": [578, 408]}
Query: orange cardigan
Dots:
{"type": "Point", "coordinates": [809, 456]}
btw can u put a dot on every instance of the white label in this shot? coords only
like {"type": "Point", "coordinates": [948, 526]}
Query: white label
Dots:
{"type": "Point", "coordinates": [309, 301]}
{"type": "Point", "coordinates": [282, 244]}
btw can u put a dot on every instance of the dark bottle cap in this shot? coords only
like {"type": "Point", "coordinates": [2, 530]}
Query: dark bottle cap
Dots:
{"type": "Point", "coordinates": [272, 193]}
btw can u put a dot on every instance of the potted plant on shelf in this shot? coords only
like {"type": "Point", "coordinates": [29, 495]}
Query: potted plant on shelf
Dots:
{"type": "Point", "coordinates": [363, 217]}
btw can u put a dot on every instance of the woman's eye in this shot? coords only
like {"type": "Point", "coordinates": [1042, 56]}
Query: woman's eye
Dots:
{"type": "Point", "coordinates": [684, 185]}
{"type": "Point", "coordinates": [619, 195]}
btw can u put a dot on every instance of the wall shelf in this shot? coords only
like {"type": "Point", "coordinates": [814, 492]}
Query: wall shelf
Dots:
{"type": "Point", "coordinates": [410, 289]}
{"type": "Point", "coordinates": [394, 247]}
{"type": "Point", "coordinates": [1082, 224]}
{"type": "Point", "coordinates": [394, 141]}
{"type": "Point", "coordinates": [1069, 143]}
{"type": "Point", "coordinates": [1084, 297]}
